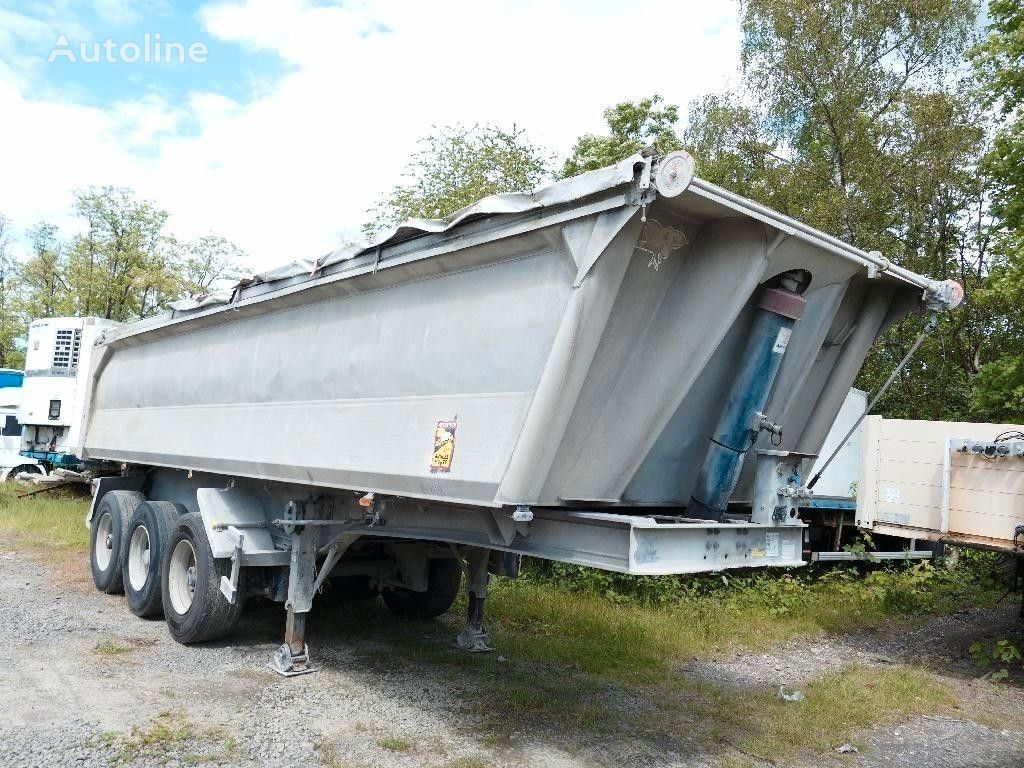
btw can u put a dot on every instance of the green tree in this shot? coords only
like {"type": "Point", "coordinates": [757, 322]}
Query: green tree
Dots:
{"type": "Point", "coordinates": [120, 267]}
{"type": "Point", "coordinates": [11, 325]}
{"type": "Point", "coordinates": [207, 263]}
{"type": "Point", "coordinates": [999, 390]}
{"type": "Point", "coordinates": [45, 291]}
{"type": "Point", "coordinates": [632, 126]}
{"type": "Point", "coordinates": [455, 167]}
{"type": "Point", "coordinates": [735, 147]}
{"type": "Point", "coordinates": [834, 75]}
{"type": "Point", "coordinates": [857, 120]}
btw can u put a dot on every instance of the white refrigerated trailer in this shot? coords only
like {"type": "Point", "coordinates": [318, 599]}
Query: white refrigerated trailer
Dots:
{"type": "Point", "coordinates": [577, 373]}
{"type": "Point", "coordinates": [51, 409]}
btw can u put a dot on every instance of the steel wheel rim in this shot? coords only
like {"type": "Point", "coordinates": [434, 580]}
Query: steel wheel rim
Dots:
{"type": "Point", "coordinates": [181, 576]}
{"type": "Point", "coordinates": [139, 555]}
{"type": "Point", "coordinates": [103, 547]}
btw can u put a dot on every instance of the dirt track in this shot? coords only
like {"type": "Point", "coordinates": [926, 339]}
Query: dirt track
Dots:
{"type": "Point", "coordinates": [78, 671]}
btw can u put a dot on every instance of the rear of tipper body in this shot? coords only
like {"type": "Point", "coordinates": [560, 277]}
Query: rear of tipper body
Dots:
{"type": "Point", "coordinates": [577, 373]}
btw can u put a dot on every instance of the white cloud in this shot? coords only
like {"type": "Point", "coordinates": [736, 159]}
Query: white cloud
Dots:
{"type": "Point", "coordinates": [287, 173]}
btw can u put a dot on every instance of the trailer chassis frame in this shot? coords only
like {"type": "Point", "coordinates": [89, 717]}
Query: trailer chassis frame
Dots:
{"type": "Point", "coordinates": [650, 544]}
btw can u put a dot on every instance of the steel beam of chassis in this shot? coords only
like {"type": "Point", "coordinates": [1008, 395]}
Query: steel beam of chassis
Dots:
{"type": "Point", "coordinates": [637, 544]}
{"type": "Point", "coordinates": [870, 557]}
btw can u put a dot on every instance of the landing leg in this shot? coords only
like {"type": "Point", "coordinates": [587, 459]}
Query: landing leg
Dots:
{"type": "Point", "coordinates": [292, 658]}
{"type": "Point", "coordinates": [474, 637]}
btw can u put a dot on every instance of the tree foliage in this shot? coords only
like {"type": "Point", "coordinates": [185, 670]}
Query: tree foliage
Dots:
{"type": "Point", "coordinates": [632, 126]}
{"type": "Point", "coordinates": [856, 118]}
{"type": "Point", "coordinates": [999, 390]}
{"type": "Point", "coordinates": [46, 293]}
{"type": "Point", "coordinates": [118, 269]}
{"type": "Point", "coordinates": [207, 262]}
{"type": "Point", "coordinates": [123, 266]}
{"type": "Point", "coordinates": [456, 166]}
{"type": "Point", "coordinates": [11, 326]}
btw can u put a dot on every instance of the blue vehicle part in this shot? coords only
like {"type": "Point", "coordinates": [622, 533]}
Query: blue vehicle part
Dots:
{"type": "Point", "coordinates": [778, 309]}
{"type": "Point", "coordinates": [64, 460]}
{"type": "Point", "coordinates": [11, 378]}
{"type": "Point", "coordinates": [829, 502]}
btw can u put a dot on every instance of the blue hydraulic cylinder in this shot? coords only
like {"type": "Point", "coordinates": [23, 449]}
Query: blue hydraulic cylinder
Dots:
{"type": "Point", "coordinates": [777, 312]}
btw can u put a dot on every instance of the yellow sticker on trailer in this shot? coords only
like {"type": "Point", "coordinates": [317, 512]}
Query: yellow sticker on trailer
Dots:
{"type": "Point", "coordinates": [444, 447]}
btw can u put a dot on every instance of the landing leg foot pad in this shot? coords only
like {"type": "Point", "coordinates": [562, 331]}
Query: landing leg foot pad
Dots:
{"type": "Point", "coordinates": [474, 639]}
{"type": "Point", "coordinates": [289, 664]}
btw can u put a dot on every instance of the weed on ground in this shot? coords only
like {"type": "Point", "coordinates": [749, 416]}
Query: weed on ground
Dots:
{"type": "Point", "coordinates": [52, 521]}
{"type": "Point", "coordinates": [170, 735]}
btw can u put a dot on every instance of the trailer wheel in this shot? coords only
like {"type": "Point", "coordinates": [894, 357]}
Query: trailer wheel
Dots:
{"type": "Point", "coordinates": [195, 608]}
{"type": "Point", "coordinates": [148, 531]}
{"type": "Point", "coordinates": [443, 581]}
{"type": "Point", "coordinates": [108, 538]}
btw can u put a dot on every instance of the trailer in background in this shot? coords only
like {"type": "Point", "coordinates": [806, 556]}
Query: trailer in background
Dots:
{"type": "Point", "coordinates": [51, 410]}
{"type": "Point", "coordinates": [957, 483]}
{"type": "Point", "coordinates": [833, 532]}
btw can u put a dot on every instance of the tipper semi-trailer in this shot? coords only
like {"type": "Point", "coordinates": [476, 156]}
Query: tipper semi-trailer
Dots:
{"type": "Point", "coordinates": [579, 373]}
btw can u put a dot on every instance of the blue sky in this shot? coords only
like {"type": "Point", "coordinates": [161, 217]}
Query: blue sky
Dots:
{"type": "Point", "coordinates": [228, 68]}
{"type": "Point", "coordinates": [303, 112]}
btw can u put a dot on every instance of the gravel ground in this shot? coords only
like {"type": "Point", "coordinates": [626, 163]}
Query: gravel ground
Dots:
{"type": "Point", "coordinates": [941, 642]}
{"type": "Point", "coordinates": [84, 683]}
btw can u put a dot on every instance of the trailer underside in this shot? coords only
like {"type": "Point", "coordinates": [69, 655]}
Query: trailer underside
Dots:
{"type": "Point", "coordinates": [286, 542]}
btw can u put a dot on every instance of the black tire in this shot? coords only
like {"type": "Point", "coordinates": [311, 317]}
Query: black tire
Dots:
{"type": "Point", "coordinates": [152, 521]}
{"type": "Point", "coordinates": [117, 507]}
{"type": "Point", "coordinates": [205, 614]}
{"type": "Point", "coordinates": [443, 580]}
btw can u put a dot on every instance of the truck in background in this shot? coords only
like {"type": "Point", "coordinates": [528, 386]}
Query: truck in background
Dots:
{"type": "Point", "coordinates": [12, 462]}
{"type": "Point", "coordinates": [51, 410]}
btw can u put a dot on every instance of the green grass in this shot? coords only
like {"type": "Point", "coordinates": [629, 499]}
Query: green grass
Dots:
{"type": "Point", "coordinates": [169, 731]}
{"type": "Point", "coordinates": [705, 717]}
{"type": "Point", "coordinates": [110, 648]}
{"type": "Point", "coordinates": [54, 520]}
{"type": "Point", "coordinates": [836, 706]}
{"type": "Point", "coordinates": [628, 638]}
{"type": "Point", "coordinates": [167, 736]}
{"type": "Point", "coordinates": [467, 762]}
{"type": "Point", "coordinates": [587, 659]}
{"type": "Point", "coordinates": [396, 744]}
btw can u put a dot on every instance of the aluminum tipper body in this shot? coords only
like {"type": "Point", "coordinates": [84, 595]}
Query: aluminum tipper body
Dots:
{"type": "Point", "coordinates": [578, 373]}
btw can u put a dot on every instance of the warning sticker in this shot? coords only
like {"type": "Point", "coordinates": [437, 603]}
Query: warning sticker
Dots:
{"type": "Point", "coordinates": [444, 447]}
{"type": "Point", "coordinates": [782, 340]}
{"type": "Point", "coordinates": [771, 544]}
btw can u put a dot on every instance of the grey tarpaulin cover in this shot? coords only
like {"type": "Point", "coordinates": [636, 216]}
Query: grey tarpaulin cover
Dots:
{"type": "Point", "coordinates": [559, 192]}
